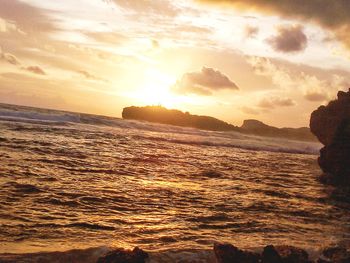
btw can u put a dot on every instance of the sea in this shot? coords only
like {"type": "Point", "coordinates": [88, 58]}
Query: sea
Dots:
{"type": "Point", "coordinates": [92, 183]}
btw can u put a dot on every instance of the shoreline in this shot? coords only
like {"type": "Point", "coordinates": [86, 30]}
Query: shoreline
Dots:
{"type": "Point", "coordinates": [221, 252]}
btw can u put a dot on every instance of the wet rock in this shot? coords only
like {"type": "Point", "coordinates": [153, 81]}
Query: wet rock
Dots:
{"type": "Point", "coordinates": [335, 255]}
{"type": "Point", "coordinates": [331, 125]}
{"type": "Point", "coordinates": [227, 253]}
{"type": "Point", "coordinates": [137, 255]}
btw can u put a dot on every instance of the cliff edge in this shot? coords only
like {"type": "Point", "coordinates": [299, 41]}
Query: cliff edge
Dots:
{"type": "Point", "coordinates": [331, 125]}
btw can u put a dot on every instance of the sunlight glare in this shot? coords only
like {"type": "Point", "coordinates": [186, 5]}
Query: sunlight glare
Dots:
{"type": "Point", "coordinates": [156, 89]}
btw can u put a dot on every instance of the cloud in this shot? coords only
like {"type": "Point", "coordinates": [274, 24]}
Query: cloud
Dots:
{"type": "Point", "coordinates": [35, 69]}
{"type": "Point", "coordinates": [251, 31]}
{"type": "Point", "coordinates": [205, 82]}
{"type": "Point", "coordinates": [107, 37]}
{"type": "Point", "coordinates": [26, 16]}
{"type": "Point", "coordinates": [273, 102]}
{"type": "Point", "coordinates": [90, 76]}
{"type": "Point", "coordinates": [289, 39]}
{"type": "Point", "coordinates": [155, 7]}
{"type": "Point", "coordinates": [9, 58]}
{"type": "Point", "coordinates": [12, 59]}
{"type": "Point", "coordinates": [332, 15]}
{"type": "Point", "coordinates": [310, 86]}
{"type": "Point", "coordinates": [249, 110]}
{"type": "Point", "coordinates": [315, 96]}
{"type": "Point", "coordinates": [8, 26]}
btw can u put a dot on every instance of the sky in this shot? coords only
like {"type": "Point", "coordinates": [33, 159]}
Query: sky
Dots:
{"type": "Point", "coordinates": [275, 61]}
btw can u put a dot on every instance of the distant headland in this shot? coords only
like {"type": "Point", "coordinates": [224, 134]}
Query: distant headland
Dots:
{"type": "Point", "coordinates": [159, 114]}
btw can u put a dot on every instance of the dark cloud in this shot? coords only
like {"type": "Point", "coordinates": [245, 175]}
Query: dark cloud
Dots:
{"type": "Point", "coordinates": [330, 14]}
{"type": "Point", "coordinates": [289, 39]}
{"type": "Point", "coordinates": [35, 69]}
{"type": "Point", "coordinates": [204, 82]}
{"type": "Point", "coordinates": [251, 31]}
{"type": "Point", "coordinates": [273, 102]}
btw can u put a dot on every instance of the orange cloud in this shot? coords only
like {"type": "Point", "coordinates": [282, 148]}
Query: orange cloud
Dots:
{"type": "Point", "coordinates": [35, 69]}
{"type": "Point", "coordinates": [273, 102]}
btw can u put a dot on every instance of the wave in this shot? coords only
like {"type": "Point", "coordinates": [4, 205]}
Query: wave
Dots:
{"type": "Point", "coordinates": [246, 142]}
{"type": "Point", "coordinates": [173, 134]}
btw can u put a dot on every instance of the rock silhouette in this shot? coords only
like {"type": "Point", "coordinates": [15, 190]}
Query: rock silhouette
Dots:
{"type": "Point", "coordinates": [259, 128]}
{"type": "Point", "coordinates": [227, 253]}
{"type": "Point", "coordinates": [137, 255]}
{"type": "Point", "coordinates": [160, 114]}
{"type": "Point", "coordinates": [331, 125]}
{"type": "Point", "coordinates": [175, 117]}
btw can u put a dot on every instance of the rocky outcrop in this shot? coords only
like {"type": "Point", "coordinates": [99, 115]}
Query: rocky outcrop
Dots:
{"type": "Point", "coordinates": [162, 115]}
{"type": "Point", "coordinates": [331, 125]}
{"type": "Point", "coordinates": [334, 255]}
{"type": "Point", "coordinates": [227, 253]}
{"type": "Point", "coordinates": [259, 128]}
{"type": "Point", "coordinates": [124, 256]}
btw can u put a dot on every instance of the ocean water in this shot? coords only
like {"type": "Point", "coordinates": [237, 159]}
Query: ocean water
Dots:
{"type": "Point", "coordinates": [70, 180]}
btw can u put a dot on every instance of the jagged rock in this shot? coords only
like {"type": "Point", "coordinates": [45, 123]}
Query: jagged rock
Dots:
{"type": "Point", "coordinates": [137, 255]}
{"type": "Point", "coordinates": [227, 253]}
{"type": "Point", "coordinates": [334, 255]}
{"type": "Point", "coordinates": [331, 125]}
{"type": "Point", "coordinates": [325, 121]}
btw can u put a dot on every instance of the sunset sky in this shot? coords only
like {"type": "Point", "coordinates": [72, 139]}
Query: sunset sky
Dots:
{"type": "Point", "coordinates": [275, 61]}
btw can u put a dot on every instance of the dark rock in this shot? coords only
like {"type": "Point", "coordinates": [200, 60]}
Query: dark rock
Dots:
{"type": "Point", "coordinates": [284, 254]}
{"type": "Point", "coordinates": [160, 114]}
{"type": "Point", "coordinates": [331, 125]}
{"type": "Point", "coordinates": [124, 256]}
{"type": "Point", "coordinates": [270, 255]}
{"type": "Point", "coordinates": [259, 128]}
{"type": "Point", "coordinates": [291, 254]}
{"type": "Point", "coordinates": [335, 255]}
{"type": "Point", "coordinates": [227, 253]}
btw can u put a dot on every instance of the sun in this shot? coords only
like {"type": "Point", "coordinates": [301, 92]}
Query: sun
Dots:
{"type": "Point", "coordinates": [156, 89]}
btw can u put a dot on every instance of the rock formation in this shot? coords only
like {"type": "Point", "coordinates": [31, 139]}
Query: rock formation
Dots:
{"type": "Point", "coordinates": [160, 114]}
{"type": "Point", "coordinates": [175, 117]}
{"type": "Point", "coordinates": [259, 128]}
{"type": "Point", "coordinates": [227, 253]}
{"type": "Point", "coordinates": [331, 125]}
{"type": "Point", "coordinates": [124, 256]}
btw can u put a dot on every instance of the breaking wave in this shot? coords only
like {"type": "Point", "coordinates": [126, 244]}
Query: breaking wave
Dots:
{"type": "Point", "coordinates": [174, 134]}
